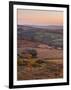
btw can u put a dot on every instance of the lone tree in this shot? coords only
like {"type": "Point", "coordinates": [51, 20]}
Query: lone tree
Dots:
{"type": "Point", "coordinates": [31, 51]}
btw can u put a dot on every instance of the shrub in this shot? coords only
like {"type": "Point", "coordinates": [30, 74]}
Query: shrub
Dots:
{"type": "Point", "coordinates": [21, 62]}
{"type": "Point", "coordinates": [36, 65]}
{"type": "Point", "coordinates": [31, 51]}
{"type": "Point", "coordinates": [39, 61]}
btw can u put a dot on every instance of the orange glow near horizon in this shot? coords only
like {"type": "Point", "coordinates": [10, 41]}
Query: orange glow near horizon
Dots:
{"type": "Point", "coordinates": [39, 17]}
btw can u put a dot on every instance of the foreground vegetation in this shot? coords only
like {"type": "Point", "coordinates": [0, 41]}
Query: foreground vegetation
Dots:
{"type": "Point", "coordinates": [39, 68]}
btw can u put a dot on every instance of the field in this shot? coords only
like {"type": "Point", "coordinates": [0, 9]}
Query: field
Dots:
{"type": "Point", "coordinates": [39, 53]}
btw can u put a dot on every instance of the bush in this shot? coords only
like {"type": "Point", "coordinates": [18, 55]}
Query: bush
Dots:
{"type": "Point", "coordinates": [36, 65]}
{"type": "Point", "coordinates": [39, 61]}
{"type": "Point", "coordinates": [31, 51]}
{"type": "Point", "coordinates": [34, 53]}
{"type": "Point", "coordinates": [21, 62]}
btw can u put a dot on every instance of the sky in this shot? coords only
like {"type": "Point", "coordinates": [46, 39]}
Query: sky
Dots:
{"type": "Point", "coordinates": [39, 17]}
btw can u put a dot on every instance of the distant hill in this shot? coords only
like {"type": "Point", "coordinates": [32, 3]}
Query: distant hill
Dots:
{"type": "Point", "coordinates": [51, 35]}
{"type": "Point", "coordinates": [58, 27]}
{"type": "Point", "coordinates": [53, 28]}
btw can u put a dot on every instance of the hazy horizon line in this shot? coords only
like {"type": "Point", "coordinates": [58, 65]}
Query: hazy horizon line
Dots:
{"type": "Point", "coordinates": [40, 25]}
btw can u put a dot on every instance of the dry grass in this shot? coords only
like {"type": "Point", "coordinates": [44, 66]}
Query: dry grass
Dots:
{"type": "Point", "coordinates": [47, 65]}
{"type": "Point", "coordinates": [45, 70]}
